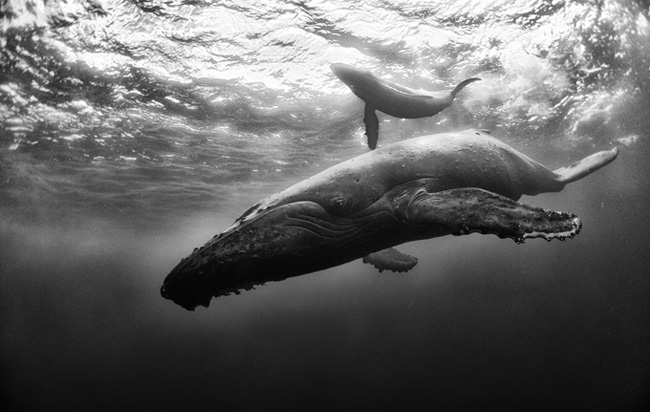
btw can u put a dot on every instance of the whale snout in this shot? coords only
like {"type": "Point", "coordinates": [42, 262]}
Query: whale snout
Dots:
{"type": "Point", "coordinates": [349, 75]}
{"type": "Point", "coordinates": [186, 287]}
{"type": "Point", "coordinates": [340, 69]}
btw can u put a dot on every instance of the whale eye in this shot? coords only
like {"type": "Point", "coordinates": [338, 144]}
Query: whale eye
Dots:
{"type": "Point", "coordinates": [337, 204]}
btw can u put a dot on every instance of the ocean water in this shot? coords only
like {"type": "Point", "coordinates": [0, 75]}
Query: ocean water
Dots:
{"type": "Point", "coordinates": [132, 131]}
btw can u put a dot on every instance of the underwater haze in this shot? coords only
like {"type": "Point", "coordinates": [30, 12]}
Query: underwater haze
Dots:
{"type": "Point", "coordinates": [132, 131]}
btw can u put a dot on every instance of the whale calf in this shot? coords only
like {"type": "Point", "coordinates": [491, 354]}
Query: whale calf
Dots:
{"type": "Point", "coordinates": [424, 187]}
{"type": "Point", "coordinates": [391, 98]}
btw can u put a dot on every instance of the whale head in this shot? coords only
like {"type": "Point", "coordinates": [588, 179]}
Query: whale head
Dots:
{"type": "Point", "coordinates": [272, 244]}
{"type": "Point", "coordinates": [359, 81]}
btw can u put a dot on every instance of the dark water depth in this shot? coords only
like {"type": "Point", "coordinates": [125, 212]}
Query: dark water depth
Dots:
{"type": "Point", "coordinates": [133, 131]}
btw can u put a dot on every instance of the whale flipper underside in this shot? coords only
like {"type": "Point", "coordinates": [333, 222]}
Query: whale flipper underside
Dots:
{"type": "Point", "coordinates": [372, 126]}
{"type": "Point", "coordinates": [472, 210]}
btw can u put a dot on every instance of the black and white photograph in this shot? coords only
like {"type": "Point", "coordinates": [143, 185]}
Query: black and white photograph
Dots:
{"type": "Point", "coordinates": [325, 205]}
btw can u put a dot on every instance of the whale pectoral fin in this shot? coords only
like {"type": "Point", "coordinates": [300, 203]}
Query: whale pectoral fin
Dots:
{"type": "Point", "coordinates": [372, 126]}
{"type": "Point", "coordinates": [391, 259]}
{"type": "Point", "coordinates": [469, 210]}
{"type": "Point", "coordinates": [586, 166]}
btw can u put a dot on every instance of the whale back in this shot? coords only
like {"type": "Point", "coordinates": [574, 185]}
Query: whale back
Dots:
{"type": "Point", "coordinates": [444, 161]}
{"type": "Point", "coordinates": [469, 158]}
{"type": "Point", "coordinates": [473, 158]}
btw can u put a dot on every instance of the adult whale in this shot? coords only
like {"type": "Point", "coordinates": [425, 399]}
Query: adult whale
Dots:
{"type": "Point", "coordinates": [451, 183]}
{"type": "Point", "coordinates": [391, 98]}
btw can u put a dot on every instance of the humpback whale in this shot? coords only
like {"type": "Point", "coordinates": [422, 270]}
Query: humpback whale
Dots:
{"type": "Point", "coordinates": [451, 183]}
{"type": "Point", "coordinates": [391, 98]}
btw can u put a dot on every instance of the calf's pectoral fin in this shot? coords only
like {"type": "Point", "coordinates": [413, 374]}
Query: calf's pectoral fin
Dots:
{"type": "Point", "coordinates": [372, 126]}
{"type": "Point", "coordinates": [469, 210]}
{"type": "Point", "coordinates": [391, 259]}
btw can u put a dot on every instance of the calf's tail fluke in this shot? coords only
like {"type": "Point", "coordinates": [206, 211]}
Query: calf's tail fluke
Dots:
{"type": "Point", "coordinates": [462, 85]}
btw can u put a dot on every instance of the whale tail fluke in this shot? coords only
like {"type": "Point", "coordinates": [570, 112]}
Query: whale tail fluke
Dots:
{"type": "Point", "coordinates": [462, 85]}
{"type": "Point", "coordinates": [583, 167]}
